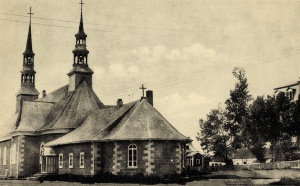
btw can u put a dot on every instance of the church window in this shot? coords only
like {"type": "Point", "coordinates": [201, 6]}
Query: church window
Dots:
{"type": "Point", "coordinates": [70, 160]}
{"type": "Point", "coordinates": [81, 159]}
{"type": "Point", "coordinates": [60, 161]}
{"type": "Point", "coordinates": [197, 161]}
{"type": "Point", "coordinates": [132, 156]}
{"type": "Point", "coordinates": [13, 154]}
{"type": "Point", "coordinates": [4, 156]}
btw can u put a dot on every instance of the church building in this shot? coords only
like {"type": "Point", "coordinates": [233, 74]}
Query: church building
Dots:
{"type": "Point", "coordinates": [71, 131]}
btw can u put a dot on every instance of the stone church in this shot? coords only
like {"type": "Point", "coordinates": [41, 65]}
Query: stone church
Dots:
{"type": "Point", "coordinates": [70, 131]}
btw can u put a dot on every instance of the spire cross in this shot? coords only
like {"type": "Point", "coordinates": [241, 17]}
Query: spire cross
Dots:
{"type": "Point", "coordinates": [30, 14]}
{"type": "Point", "coordinates": [81, 3]}
{"type": "Point", "coordinates": [143, 89]}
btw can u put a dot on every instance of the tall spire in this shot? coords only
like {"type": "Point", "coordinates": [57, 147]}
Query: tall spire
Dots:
{"type": "Point", "coordinates": [27, 91]}
{"type": "Point", "coordinates": [28, 49]}
{"type": "Point", "coordinates": [81, 30]}
{"type": "Point", "coordinates": [80, 63]}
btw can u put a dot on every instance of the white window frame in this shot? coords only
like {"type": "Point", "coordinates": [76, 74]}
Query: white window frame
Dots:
{"type": "Point", "coordinates": [4, 155]}
{"type": "Point", "coordinates": [60, 160]}
{"type": "Point", "coordinates": [81, 160]}
{"type": "Point", "coordinates": [13, 154]}
{"type": "Point", "coordinates": [132, 162]}
{"type": "Point", "coordinates": [71, 160]}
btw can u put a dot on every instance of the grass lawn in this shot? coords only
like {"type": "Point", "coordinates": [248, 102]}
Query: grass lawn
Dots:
{"type": "Point", "coordinates": [277, 174]}
{"type": "Point", "coordinates": [255, 174]}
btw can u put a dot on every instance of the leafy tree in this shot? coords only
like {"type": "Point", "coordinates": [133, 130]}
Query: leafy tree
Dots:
{"type": "Point", "coordinates": [237, 110]}
{"type": "Point", "coordinates": [255, 125]}
{"type": "Point", "coordinates": [293, 129]}
{"type": "Point", "coordinates": [213, 137]}
{"type": "Point", "coordinates": [270, 118]}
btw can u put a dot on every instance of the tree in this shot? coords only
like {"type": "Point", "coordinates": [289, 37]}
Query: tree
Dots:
{"type": "Point", "coordinates": [270, 118]}
{"type": "Point", "coordinates": [237, 110]}
{"type": "Point", "coordinates": [213, 137]}
{"type": "Point", "coordinates": [293, 129]}
{"type": "Point", "coordinates": [257, 117]}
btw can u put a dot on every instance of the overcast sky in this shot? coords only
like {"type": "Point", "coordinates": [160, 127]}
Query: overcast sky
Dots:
{"type": "Point", "coordinates": [182, 50]}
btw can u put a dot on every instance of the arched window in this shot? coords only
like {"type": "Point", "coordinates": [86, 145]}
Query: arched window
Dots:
{"type": "Point", "coordinates": [4, 155]}
{"type": "Point", "coordinates": [13, 154]}
{"type": "Point", "coordinates": [132, 155]}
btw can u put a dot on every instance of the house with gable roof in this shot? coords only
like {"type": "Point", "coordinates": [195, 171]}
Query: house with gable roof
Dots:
{"type": "Point", "coordinates": [70, 131]}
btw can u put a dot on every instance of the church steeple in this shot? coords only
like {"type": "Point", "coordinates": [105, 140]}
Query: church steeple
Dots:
{"type": "Point", "coordinates": [80, 62]}
{"type": "Point", "coordinates": [27, 91]}
{"type": "Point", "coordinates": [80, 52]}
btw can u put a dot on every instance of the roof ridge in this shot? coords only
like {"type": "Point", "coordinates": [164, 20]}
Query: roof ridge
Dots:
{"type": "Point", "coordinates": [73, 93]}
{"type": "Point", "coordinates": [114, 121]}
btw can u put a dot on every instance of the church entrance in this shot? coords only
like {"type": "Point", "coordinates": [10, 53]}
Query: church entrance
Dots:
{"type": "Point", "coordinates": [48, 160]}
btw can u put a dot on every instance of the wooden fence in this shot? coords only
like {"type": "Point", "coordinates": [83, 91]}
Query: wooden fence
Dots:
{"type": "Point", "coordinates": [271, 165]}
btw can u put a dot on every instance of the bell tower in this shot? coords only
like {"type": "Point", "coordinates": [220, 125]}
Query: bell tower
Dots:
{"type": "Point", "coordinates": [27, 91]}
{"type": "Point", "coordinates": [80, 68]}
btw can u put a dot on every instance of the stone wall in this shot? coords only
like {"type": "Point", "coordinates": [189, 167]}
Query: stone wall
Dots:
{"type": "Point", "coordinates": [29, 154]}
{"type": "Point", "coordinates": [153, 157]}
{"type": "Point", "coordinates": [76, 149]}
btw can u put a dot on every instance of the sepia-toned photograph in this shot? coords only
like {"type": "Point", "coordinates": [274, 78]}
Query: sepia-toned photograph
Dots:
{"type": "Point", "coordinates": [139, 92]}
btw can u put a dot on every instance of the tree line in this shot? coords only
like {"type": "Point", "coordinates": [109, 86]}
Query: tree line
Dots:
{"type": "Point", "coordinates": [251, 123]}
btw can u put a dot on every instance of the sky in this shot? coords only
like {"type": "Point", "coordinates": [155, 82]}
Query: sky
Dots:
{"type": "Point", "coordinates": [183, 50]}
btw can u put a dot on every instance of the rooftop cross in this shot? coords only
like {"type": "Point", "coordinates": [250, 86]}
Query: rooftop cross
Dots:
{"type": "Point", "coordinates": [143, 89]}
{"type": "Point", "coordinates": [30, 14]}
{"type": "Point", "coordinates": [81, 3]}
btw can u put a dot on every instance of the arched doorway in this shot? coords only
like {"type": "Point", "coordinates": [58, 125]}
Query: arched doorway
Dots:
{"type": "Point", "coordinates": [48, 159]}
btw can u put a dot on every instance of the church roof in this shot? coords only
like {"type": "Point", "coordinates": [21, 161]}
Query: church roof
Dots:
{"type": "Point", "coordinates": [34, 115]}
{"type": "Point", "coordinates": [59, 109]}
{"type": "Point", "coordinates": [133, 121]}
{"type": "Point", "coordinates": [56, 95]}
{"type": "Point", "coordinates": [73, 108]}
{"type": "Point", "coordinates": [9, 126]}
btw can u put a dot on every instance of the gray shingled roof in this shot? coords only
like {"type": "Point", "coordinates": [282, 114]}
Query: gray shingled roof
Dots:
{"type": "Point", "coordinates": [94, 124]}
{"type": "Point", "coordinates": [144, 122]}
{"type": "Point", "coordinates": [70, 112]}
{"type": "Point", "coordinates": [133, 121]}
{"type": "Point", "coordinates": [9, 126]}
{"type": "Point", "coordinates": [34, 115]}
{"type": "Point", "coordinates": [56, 95]}
{"type": "Point", "coordinates": [59, 109]}
{"type": "Point", "coordinates": [243, 154]}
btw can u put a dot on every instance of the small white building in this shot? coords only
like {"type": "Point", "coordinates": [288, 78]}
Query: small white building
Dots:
{"type": "Point", "coordinates": [243, 156]}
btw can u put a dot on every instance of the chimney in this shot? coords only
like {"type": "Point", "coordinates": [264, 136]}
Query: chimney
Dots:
{"type": "Point", "coordinates": [44, 93]}
{"type": "Point", "coordinates": [149, 96]}
{"type": "Point", "coordinates": [119, 103]}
